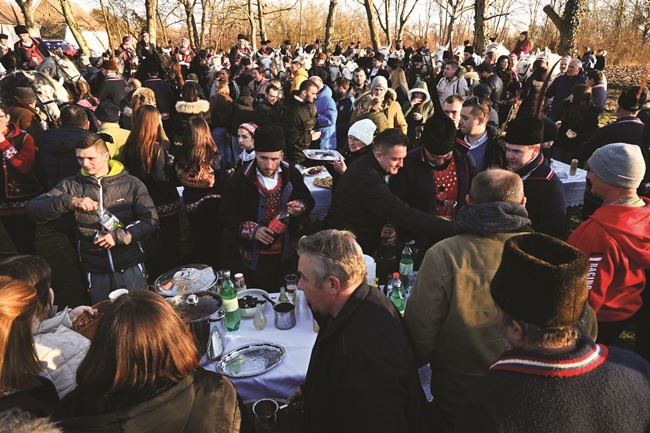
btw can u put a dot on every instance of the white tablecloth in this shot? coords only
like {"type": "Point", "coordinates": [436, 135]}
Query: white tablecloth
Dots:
{"type": "Point", "coordinates": [574, 186]}
{"type": "Point", "coordinates": [282, 380]}
{"type": "Point", "coordinates": [322, 196]}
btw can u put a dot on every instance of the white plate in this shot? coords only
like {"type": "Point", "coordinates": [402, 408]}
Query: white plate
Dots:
{"type": "Point", "coordinates": [322, 155]}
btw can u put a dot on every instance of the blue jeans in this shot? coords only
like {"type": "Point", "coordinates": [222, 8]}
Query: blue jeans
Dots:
{"type": "Point", "coordinates": [223, 144]}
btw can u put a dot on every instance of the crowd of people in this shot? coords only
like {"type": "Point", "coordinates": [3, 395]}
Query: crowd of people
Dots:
{"type": "Point", "coordinates": [512, 313]}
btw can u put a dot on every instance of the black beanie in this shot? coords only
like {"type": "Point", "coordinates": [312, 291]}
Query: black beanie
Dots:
{"type": "Point", "coordinates": [439, 135]}
{"type": "Point", "coordinates": [269, 139]}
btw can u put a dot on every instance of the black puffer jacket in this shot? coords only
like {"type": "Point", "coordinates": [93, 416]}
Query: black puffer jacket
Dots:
{"type": "Point", "coordinates": [495, 152]}
{"type": "Point", "coordinates": [299, 121]}
{"type": "Point", "coordinates": [123, 195]}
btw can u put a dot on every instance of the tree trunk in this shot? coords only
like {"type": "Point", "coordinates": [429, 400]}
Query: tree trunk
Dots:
{"type": "Point", "coordinates": [151, 10]}
{"type": "Point", "coordinates": [480, 6]}
{"type": "Point", "coordinates": [372, 24]}
{"type": "Point", "coordinates": [251, 22]}
{"type": "Point", "coordinates": [403, 19]}
{"type": "Point", "coordinates": [162, 27]}
{"type": "Point", "coordinates": [262, 19]}
{"type": "Point", "coordinates": [108, 29]}
{"type": "Point", "coordinates": [568, 25]}
{"type": "Point", "coordinates": [389, 39]}
{"type": "Point", "coordinates": [27, 8]}
{"type": "Point", "coordinates": [74, 27]}
{"type": "Point", "coordinates": [329, 25]}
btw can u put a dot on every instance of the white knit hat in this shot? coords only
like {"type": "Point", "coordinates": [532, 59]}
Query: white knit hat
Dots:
{"type": "Point", "coordinates": [363, 130]}
{"type": "Point", "coordinates": [379, 81]}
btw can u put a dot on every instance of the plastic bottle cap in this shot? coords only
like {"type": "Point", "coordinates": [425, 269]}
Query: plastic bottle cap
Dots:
{"type": "Point", "coordinates": [395, 274]}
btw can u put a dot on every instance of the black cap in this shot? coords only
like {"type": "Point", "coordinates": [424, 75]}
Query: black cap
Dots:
{"type": "Point", "coordinates": [20, 29]}
{"type": "Point", "coordinates": [107, 112]}
{"type": "Point", "coordinates": [631, 99]}
{"type": "Point", "coordinates": [242, 36]}
{"type": "Point", "coordinates": [3, 36]}
{"type": "Point", "coordinates": [379, 56]}
{"type": "Point", "coordinates": [439, 135]}
{"type": "Point", "coordinates": [525, 131]}
{"type": "Point", "coordinates": [269, 139]}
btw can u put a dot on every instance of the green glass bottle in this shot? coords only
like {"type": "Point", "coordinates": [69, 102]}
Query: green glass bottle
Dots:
{"type": "Point", "coordinates": [396, 295]}
{"type": "Point", "coordinates": [230, 302]}
{"type": "Point", "coordinates": [406, 262]}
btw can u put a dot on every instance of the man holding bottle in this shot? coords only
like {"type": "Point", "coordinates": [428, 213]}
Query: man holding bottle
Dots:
{"type": "Point", "coordinates": [113, 213]}
{"type": "Point", "coordinates": [260, 208]}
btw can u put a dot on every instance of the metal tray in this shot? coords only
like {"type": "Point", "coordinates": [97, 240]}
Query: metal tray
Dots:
{"type": "Point", "coordinates": [185, 279]}
{"type": "Point", "coordinates": [322, 155]}
{"type": "Point", "coordinates": [251, 360]}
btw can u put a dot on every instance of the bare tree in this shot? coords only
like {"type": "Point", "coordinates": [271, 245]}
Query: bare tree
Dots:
{"type": "Point", "coordinates": [66, 9]}
{"type": "Point", "coordinates": [151, 7]}
{"type": "Point", "coordinates": [329, 25]}
{"type": "Point", "coordinates": [568, 25]}
{"type": "Point", "coordinates": [262, 19]}
{"type": "Point", "coordinates": [403, 12]}
{"type": "Point", "coordinates": [480, 41]}
{"type": "Point", "coordinates": [27, 8]}
{"type": "Point", "coordinates": [454, 9]}
{"type": "Point", "coordinates": [371, 13]}
{"type": "Point", "coordinates": [188, 6]}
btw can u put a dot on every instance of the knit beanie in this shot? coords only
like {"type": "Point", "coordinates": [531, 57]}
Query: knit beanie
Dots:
{"type": "Point", "coordinates": [618, 164]}
{"type": "Point", "coordinates": [379, 81]}
{"type": "Point", "coordinates": [363, 130]}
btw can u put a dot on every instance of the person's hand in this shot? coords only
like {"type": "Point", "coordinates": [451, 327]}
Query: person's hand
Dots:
{"type": "Point", "coordinates": [75, 313]}
{"type": "Point", "coordinates": [389, 236]}
{"type": "Point", "coordinates": [416, 101]}
{"type": "Point", "coordinates": [295, 396]}
{"type": "Point", "coordinates": [106, 241]}
{"type": "Point", "coordinates": [417, 116]}
{"type": "Point", "coordinates": [85, 204]}
{"type": "Point", "coordinates": [339, 166]}
{"type": "Point", "coordinates": [295, 207]}
{"type": "Point", "coordinates": [439, 89]}
{"type": "Point", "coordinates": [315, 135]}
{"type": "Point", "coordinates": [264, 235]}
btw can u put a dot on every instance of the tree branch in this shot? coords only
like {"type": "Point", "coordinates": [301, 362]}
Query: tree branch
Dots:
{"type": "Point", "coordinates": [553, 16]}
{"type": "Point", "coordinates": [505, 14]}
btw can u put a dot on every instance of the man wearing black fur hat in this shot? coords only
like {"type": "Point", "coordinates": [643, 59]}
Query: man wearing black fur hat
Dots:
{"type": "Point", "coordinates": [468, 58]}
{"type": "Point", "coordinates": [239, 51]}
{"type": "Point", "coordinates": [378, 68]}
{"type": "Point", "coordinates": [30, 52]}
{"type": "Point", "coordinates": [546, 200]}
{"type": "Point", "coordinates": [4, 45]}
{"type": "Point", "coordinates": [436, 176]}
{"type": "Point", "coordinates": [253, 199]}
{"type": "Point", "coordinates": [554, 379]}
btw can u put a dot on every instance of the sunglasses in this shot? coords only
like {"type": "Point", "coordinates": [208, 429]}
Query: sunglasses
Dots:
{"type": "Point", "coordinates": [474, 101]}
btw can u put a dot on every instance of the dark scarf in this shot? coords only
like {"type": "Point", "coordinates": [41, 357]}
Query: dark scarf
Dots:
{"type": "Point", "coordinates": [494, 217]}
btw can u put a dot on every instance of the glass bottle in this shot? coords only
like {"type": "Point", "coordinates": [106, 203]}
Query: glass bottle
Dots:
{"type": "Point", "coordinates": [283, 295]}
{"type": "Point", "coordinates": [396, 296]}
{"type": "Point", "coordinates": [278, 225]}
{"type": "Point", "coordinates": [406, 262]}
{"type": "Point", "coordinates": [230, 302]}
{"type": "Point", "coordinates": [260, 319]}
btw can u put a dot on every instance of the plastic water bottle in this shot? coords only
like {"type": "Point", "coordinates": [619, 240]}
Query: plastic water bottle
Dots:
{"type": "Point", "coordinates": [230, 302]}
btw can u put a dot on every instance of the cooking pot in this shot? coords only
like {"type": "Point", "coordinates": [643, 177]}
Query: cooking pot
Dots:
{"type": "Point", "coordinates": [203, 313]}
{"type": "Point", "coordinates": [186, 279]}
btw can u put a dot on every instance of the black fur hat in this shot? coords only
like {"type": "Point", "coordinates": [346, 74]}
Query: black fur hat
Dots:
{"type": "Point", "coordinates": [439, 135]}
{"type": "Point", "coordinates": [541, 280]}
{"type": "Point", "coordinates": [269, 139]}
{"type": "Point", "coordinates": [525, 131]}
{"type": "Point", "coordinates": [629, 101]}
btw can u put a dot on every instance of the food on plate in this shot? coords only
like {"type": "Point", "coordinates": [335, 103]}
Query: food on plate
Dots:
{"type": "Point", "coordinates": [249, 301]}
{"type": "Point", "coordinates": [324, 182]}
{"type": "Point", "coordinates": [313, 170]}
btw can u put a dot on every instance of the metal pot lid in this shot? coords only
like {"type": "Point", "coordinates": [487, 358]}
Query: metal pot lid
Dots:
{"type": "Point", "coordinates": [197, 307]}
{"type": "Point", "coordinates": [185, 279]}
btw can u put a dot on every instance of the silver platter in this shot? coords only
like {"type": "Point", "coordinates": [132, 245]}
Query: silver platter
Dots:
{"type": "Point", "coordinates": [251, 360]}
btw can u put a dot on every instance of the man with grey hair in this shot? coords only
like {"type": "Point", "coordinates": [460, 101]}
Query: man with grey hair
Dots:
{"type": "Point", "coordinates": [361, 375]}
{"type": "Point", "coordinates": [562, 86]}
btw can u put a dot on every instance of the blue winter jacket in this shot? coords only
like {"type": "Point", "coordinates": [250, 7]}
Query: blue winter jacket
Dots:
{"type": "Point", "coordinates": [326, 118]}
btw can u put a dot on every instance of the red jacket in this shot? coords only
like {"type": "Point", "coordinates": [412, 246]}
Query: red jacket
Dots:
{"type": "Point", "coordinates": [616, 239]}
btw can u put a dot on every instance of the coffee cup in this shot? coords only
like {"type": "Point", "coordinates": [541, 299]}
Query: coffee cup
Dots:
{"type": "Point", "coordinates": [266, 411]}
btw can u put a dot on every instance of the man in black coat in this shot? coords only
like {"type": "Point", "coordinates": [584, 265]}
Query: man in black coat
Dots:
{"type": "Point", "coordinates": [361, 375]}
{"type": "Point", "coordinates": [492, 81]}
{"type": "Point", "coordinates": [318, 69]}
{"type": "Point", "coordinates": [554, 379]}
{"type": "Point", "coordinates": [545, 198]}
{"type": "Point", "coordinates": [30, 52]}
{"type": "Point", "coordinates": [363, 202]}
{"type": "Point", "coordinates": [435, 178]}
{"type": "Point", "coordinates": [110, 85]}
{"type": "Point", "coordinates": [300, 121]}
{"type": "Point", "coordinates": [269, 111]}
{"type": "Point", "coordinates": [481, 139]}
{"type": "Point", "coordinates": [254, 198]}
{"type": "Point", "coordinates": [562, 85]}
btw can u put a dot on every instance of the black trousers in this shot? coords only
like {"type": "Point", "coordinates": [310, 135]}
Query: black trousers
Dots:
{"type": "Point", "coordinates": [22, 231]}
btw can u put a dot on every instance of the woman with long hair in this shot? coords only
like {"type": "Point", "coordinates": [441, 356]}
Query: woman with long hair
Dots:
{"type": "Point", "coordinates": [146, 158]}
{"type": "Point", "coordinates": [399, 84]}
{"type": "Point", "coordinates": [579, 120]}
{"type": "Point", "coordinates": [505, 71]}
{"type": "Point", "coordinates": [189, 105]}
{"type": "Point", "coordinates": [20, 383]}
{"type": "Point", "coordinates": [523, 46]}
{"type": "Point", "coordinates": [85, 99]}
{"type": "Point", "coordinates": [142, 374]}
{"type": "Point", "coordinates": [199, 169]}
{"type": "Point", "coordinates": [58, 348]}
